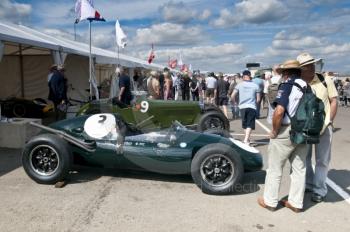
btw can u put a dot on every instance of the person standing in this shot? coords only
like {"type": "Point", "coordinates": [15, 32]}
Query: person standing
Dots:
{"type": "Point", "coordinates": [124, 88]}
{"type": "Point", "coordinates": [58, 91]}
{"type": "Point", "coordinates": [326, 91]}
{"type": "Point", "coordinates": [281, 148]}
{"type": "Point", "coordinates": [153, 86]}
{"type": "Point", "coordinates": [186, 87]}
{"type": "Point", "coordinates": [222, 90]}
{"type": "Point", "coordinates": [211, 83]}
{"type": "Point", "coordinates": [346, 92]}
{"type": "Point", "coordinates": [260, 83]}
{"type": "Point", "coordinates": [194, 88]}
{"type": "Point", "coordinates": [248, 96]}
{"type": "Point", "coordinates": [168, 86]}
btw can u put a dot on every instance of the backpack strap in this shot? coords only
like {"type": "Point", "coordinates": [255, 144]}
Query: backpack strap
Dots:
{"type": "Point", "coordinates": [321, 78]}
{"type": "Point", "coordinates": [303, 90]}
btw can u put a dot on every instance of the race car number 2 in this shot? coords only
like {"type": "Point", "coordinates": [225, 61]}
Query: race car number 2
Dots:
{"type": "Point", "coordinates": [144, 106]}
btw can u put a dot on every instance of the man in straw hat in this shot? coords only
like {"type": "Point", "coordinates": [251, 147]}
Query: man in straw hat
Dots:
{"type": "Point", "coordinates": [281, 148]}
{"type": "Point", "coordinates": [326, 91]}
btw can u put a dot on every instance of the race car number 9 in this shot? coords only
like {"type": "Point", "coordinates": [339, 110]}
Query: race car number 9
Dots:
{"type": "Point", "coordinates": [144, 106]}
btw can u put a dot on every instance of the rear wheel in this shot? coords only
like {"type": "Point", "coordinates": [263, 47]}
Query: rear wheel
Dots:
{"type": "Point", "coordinates": [213, 120]}
{"type": "Point", "coordinates": [19, 110]}
{"type": "Point", "coordinates": [47, 159]}
{"type": "Point", "coordinates": [216, 169]}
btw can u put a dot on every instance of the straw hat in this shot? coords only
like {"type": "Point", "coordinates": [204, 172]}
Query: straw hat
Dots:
{"type": "Point", "coordinates": [305, 59]}
{"type": "Point", "coordinates": [289, 64]}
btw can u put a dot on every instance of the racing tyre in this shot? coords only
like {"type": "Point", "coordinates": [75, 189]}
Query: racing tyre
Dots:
{"type": "Point", "coordinates": [213, 120]}
{"type": "Point", "coordinates": [217, 169]}
{"type": "Point", "coordinates": [19, 110]}
{"type": "Point", "coordinates": [47, 159]}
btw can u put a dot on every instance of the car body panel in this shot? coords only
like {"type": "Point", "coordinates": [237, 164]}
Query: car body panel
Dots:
{"type": "Point", "coordinates": [150, 113]}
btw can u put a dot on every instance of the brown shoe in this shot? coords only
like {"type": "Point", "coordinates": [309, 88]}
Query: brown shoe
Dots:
{"type": "Point", "coordinates": [286, 204]}
{"type": "Point", "coordinates": [261, 202]}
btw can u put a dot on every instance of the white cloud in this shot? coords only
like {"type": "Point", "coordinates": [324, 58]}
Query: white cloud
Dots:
{"type": "Point", "coordinates": [289, 41]}
{"type": "Point", "coordinates": [177, 12]}
{"type": "Point", "coordinates": [204, 15]}
{"type": "Point", "coordinates": [14, 12]}
{"type": "Point", "coordinates": [168, 34]}
{"type": "Point", "coordinates": [252, 11]}
{"type": "Point", "coordinates": [216, 58]}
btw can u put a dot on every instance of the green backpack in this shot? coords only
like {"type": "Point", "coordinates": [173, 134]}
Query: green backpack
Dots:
{"type": "Point", "coordinates": [307, 123]}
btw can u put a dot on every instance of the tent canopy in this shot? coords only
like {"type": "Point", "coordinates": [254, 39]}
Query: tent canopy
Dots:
{"type": "Point", "coordinates": [24, 35]}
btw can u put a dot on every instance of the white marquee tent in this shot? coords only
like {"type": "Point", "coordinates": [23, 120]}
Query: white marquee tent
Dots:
{"type": "Point", "coordinates": [26, 55]}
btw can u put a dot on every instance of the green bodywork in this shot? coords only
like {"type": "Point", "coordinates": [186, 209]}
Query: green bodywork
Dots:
{"type": "Point", "coordinates": [147, 113]}
{"type": "Point", "coordinates": [168, 151]}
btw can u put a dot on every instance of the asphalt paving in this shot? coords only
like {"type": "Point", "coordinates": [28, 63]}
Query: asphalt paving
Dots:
{"type": "Point", "coordinates": [113, 200]}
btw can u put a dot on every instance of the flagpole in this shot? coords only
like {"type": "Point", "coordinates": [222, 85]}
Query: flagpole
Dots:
{"type": "Point", "coordinates": [90, 60]}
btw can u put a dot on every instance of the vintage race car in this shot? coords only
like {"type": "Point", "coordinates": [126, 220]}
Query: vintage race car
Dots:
{"type": "Point", "coordinates": [23, 108]}
{"type": "Point", "coordinates": [216, 163]}
{"type": "Point", "coordinates": [157, 114]}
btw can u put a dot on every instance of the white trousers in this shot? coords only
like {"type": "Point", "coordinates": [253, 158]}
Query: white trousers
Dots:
{"type": "Point", "coordinates": [316, 180]}
{"type": "Point", "coordinates": [279, 151]}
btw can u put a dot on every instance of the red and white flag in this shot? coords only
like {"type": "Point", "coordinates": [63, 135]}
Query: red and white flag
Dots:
{"type": "Point", "coordinates": [151, 55]}
{"type": "Point", "coordinates": [84, 9]}
{"type": "Point", "coordinates": [172, 63]}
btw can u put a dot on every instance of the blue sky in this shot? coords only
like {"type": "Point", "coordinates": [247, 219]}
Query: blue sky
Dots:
{"type": "Point", "coordinates": [211, 35]}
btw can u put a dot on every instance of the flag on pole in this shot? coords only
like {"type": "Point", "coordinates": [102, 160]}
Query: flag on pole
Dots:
{"type": "Point", "coordinates": [172, 63]}
{"type": "Point", "coordinates": [120, 35]}
{"type": "Point", "coordinates": [84, 9]}
{"type": "Point", "coordinates": [151, 55]}
{"type": "Point", "coordinates": [184, 68]}
{"type": "Point", "coordinates": [180, 62]}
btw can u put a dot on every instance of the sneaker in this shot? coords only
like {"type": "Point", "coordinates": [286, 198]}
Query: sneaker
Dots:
{"type": "Point", "coordinates": [317, 198]}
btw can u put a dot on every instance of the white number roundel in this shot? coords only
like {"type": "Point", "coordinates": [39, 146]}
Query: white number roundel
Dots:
{"type": "Point", "coordinates": [144, 106]}
{"type": "Point", "coordinates": [99, 125]}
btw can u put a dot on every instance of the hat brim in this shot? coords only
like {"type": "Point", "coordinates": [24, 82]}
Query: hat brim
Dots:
{"type": "Point", "coordinates": [282, 69]}
{"type": "Point", "coordinates": [313, 61]}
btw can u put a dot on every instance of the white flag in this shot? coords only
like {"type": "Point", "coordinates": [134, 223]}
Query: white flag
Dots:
{"type": "Point", "coordinates": [180, 62]}
{"type": "Point", "coordinates": [120, 35]}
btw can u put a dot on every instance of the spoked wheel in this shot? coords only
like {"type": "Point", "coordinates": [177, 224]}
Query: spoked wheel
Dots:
{"type": "Point", "coordinates": [44, 160]}
{"type": "Point", "coordinates": [47, 159]}
{"type": "Point", "coordinates": [213, 123]}
{"type": "Point", "coordinates": [216, 169]}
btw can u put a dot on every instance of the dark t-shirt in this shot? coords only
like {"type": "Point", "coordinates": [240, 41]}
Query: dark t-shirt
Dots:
{"type": "Point", "coordinates": [124, 81]}
{"type": "Point", "coordinates": [222, 87]}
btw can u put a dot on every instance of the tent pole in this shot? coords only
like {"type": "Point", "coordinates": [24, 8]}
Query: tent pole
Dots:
{"type": "Point", "coordinates": [21, 70]}
{"type": "Point", "coordinates": [90, 60]}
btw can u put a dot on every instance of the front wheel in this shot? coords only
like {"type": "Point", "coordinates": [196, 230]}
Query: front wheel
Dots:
{"type": "Point", "coordinates": [216, 169]}
{"type": "Point", "coordinates": [47, 159]}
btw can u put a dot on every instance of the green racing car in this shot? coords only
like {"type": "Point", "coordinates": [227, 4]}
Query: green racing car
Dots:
{"type": "Point", "coordinates": [215, 163]}
{"type": "Point", "coordinates": [159, 114]}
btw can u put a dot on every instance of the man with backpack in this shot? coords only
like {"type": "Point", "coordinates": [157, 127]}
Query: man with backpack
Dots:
{"type": "Point", "coordinates": [326, 91]}
{"type": "Point", "coordinates": [281, 148]}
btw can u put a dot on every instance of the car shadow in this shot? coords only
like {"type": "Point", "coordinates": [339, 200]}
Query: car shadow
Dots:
{"type": "Point", "coordinates": [10, 159]}
{"type": "Point", "coordinates": [249, 184]}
